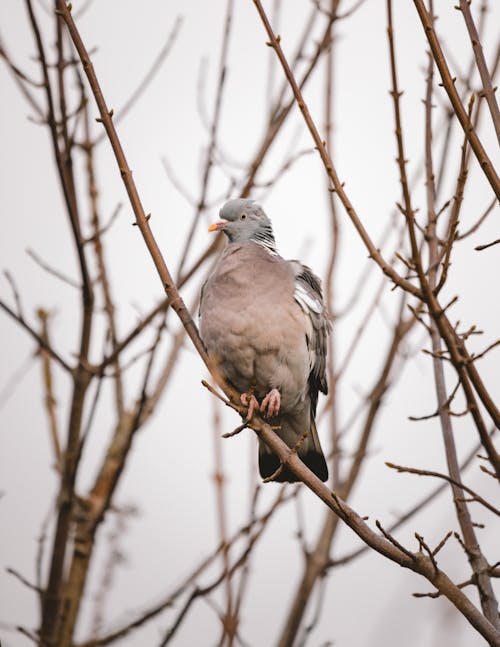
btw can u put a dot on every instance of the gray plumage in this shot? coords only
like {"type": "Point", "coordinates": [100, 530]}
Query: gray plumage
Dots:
{"type": "Point", "coordinates": [263, 321]}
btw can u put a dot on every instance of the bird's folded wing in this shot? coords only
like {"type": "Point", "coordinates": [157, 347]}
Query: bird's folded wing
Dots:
{"type": "Point", "coordinates": [309, 296]}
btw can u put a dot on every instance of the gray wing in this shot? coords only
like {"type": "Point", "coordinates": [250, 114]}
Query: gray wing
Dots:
{"type": "Point", "coordinates": [308, 294]}
{"type": "Point", "coordinates": [202, 292]}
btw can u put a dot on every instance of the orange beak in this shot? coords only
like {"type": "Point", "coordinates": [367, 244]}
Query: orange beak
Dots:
{"type": "Point", "coordinates": [216, 226]}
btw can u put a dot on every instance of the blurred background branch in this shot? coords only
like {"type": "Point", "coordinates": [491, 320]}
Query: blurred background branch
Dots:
{"type": "Point", "coordinates": [122, 372]}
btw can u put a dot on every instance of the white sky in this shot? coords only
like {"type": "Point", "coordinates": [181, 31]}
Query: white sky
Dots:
{"type": "Point", "coordinates": [169, 472]}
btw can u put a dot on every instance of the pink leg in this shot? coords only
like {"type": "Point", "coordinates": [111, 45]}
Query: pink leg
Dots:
{"type": "Point", "coordinates": [250, 401]}
{"type": "Point", "coordinates": [272, 403]}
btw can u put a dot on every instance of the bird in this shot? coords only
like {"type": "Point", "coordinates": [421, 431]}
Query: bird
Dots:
{"type": "Point", "coordinates": [264, 325]}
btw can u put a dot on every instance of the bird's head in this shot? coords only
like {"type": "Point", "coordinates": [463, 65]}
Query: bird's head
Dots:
{"type": "Point", "coordinates": [242, 220]}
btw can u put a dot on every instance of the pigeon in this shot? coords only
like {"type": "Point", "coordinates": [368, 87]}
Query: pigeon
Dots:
{"type": "Point", "coordinates": [265, 327]}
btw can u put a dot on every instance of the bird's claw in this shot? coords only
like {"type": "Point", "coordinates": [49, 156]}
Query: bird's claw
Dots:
{"type": "Point", "coordinates": [250, 401]}
{"type": "Point", "coordinates": [272, 403]}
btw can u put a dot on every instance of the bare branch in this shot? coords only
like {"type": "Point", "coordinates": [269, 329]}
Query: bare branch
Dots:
{"type": "Point", "coordinates": [22, 579]}
{"type": "Point", "coordinates": [170, 599]}
{"type": "Point", "coordinates": [480, 248]}
{"type": "Point", "coordinates": [418, 562]}
{"type": "Point", "coordinates": [22, 80]}
{"type": "Point", "coordinates": [374, 253]}
{"type": "Point", "coordinates": [445, 477]}
{"type": "Point", "coordinates": [449, 86]}
{"type": "Point", "coordinates": [43, 344]}
{"type": "Point", "coordinates": [50, 401]}
{"type": "Point", "coordinates": [148, 77]}
{"type": "Point", "coordinates": [479, 221]}
{"type": "Point", "coordinates": [51, 270]}
{"type": "Point", "coordinates": [477, 560]}
{"type": "Point", "coordinates": [489, 92]}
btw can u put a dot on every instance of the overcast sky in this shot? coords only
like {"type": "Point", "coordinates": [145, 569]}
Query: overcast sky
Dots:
{"type": "Point", "coordinates": [169, 474]}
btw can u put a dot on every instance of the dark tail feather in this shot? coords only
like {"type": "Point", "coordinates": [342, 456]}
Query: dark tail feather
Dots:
{"type": "Point", "coordinates": [310, 453]}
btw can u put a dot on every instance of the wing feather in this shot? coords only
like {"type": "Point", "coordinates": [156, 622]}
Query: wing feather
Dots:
{"type": "Point", "coordinates": [309, 296]}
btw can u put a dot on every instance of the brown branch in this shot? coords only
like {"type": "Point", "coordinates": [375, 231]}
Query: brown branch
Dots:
{"type": "Point", "coordinates": [318, 559]}
{"type": "Point", "coordinates": [176, 183]}
{"type": "Point", "coordinates": [449, 86]}
{"type": "Point", "coordinates": [50, 401]}
{"type": "Point", "coordinates": [279, 116]}
{"type": "Point", "coordinates": [297, 56]}
{"type": "Point", "coordinates": [488, 90]}
{"type": "Point", "coordinates": [51, 270]}
{"type": "Point", "coordinates": [32, 636]}
{"type": "Point", "coordinates": [362, 281]}
{"type": "Point", "coordinates": [15, 293]}
{"type": "Point", "coordinates": [102, 230]}
{"type": "Point", "coordinates": [23, 580]}
{"type": "Point", "coordinates": [480, 248]}
{"type": "Point", "coordinates": [409, 514]}
{"type": "Point", "coordinates": [135, 332]}
{"type": "Point", "coordinates": [212, 145]}
{"type": "Point", "coordinates": [100, 496]}
{"type": "Point", "coordinates": [360, 329]}
{"type": "Point", "coordinates": [408, 210]}
{"type": "Point", "coordinates": [462, 362]}
{"type": "Point", "coordinates": [148, 77]}
{"type": "Point", "coordinates": [468, 376]}
{"type": "Point", "coordinates": [374, 253]}
{"type": "Point", "coordinates": [275, 124]}
{"type": "Point", "coordinates": [330, 291]}
{"type": "Point", "coordinates": [238, 429]}
{"type": "Point", "coordinates": [114, 559]}
{"type": "Point", "coordinates": [477, 560]}
{"type": "Point", "coordinates": [170, 599]}
{"type": "Point", "coordinates": [102, 269]}
{"type": "Point", "coordinates": [39, 558]}
{"type": "Point", "coordinates": [451, 235]}
{"type": "Point", "coordinates": [393, 540]}
{"type": "Point", "coordinates": [445, 477]}
{"type": "Point", "coordinates": [229, 619]}
{"type": "Point", "coordinates": [86, 427]}
{"type": "Point", "coordinates": [479, 221]}
{"type": "Point", "coordinates": [126, 174]}
{"type": "Point", "coordinates": [449, 400]}
{"type": "Point", "coordinates": [226, 402]}
{"type": "Point", "coordinates": [285, 166]}
{"type": "Point", "coordinates": [205, 590]}
{"type": "Point", "coordinates": [21, 80]}
{"type": "Point", "coordinates": [455, 346]}
{"type": "Point", "coordinates": [425, 547]}
{"type": "Point", "coordinates": [419, 563]}
{"type": "Point", "coordinates": [40, 341]}
{"type": "Point", "coordinates": [81, 379]}
{"type": "Point", "coordinates": [15, 378]}
{"type": "Point", "coordinates": [485, 351]}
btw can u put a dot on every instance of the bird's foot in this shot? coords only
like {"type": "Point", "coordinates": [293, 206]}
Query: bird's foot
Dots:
{"type": "Point", "coordinates": [250, 401]}
{"type": "Point", "coordinates": [272, 403]}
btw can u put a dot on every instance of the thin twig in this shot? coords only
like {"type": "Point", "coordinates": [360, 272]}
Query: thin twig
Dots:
{"type": "Point", "coordinates": [45, 266]}
{"type": "Point", "coordinates": [168, 600]}
{"type": "Point", "coordinates": [40, 341]}
{"type": "Point", "coordinates": [449, 86]}
{"type": "Point", "coordinates": [445, 477]}
{"type": "Point", "coordinates": [480, 248]}
{"type": "Point", "coordinates": [48, 385]}
{"type": "Point", "coordinates": [148, 77]}
{"type": "Point", "coordinates": [489, 91]}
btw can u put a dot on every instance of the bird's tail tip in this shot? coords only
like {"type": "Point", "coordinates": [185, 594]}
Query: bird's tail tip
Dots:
{"type": "Point", "coordinates": [269, 464]}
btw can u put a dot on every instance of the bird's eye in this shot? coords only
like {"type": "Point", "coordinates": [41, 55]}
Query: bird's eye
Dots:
{"type": "Point", "coordinates": [243, 216]}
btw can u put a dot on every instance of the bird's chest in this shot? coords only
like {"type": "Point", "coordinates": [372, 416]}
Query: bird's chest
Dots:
{"type": "Point", "coordinates": [251, 326]}
{"type": "Point", "coordinates": [238, 311]}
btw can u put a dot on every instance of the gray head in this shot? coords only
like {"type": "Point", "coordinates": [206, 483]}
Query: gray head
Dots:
{"type": "Point", "coordinates": [242, 220]}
